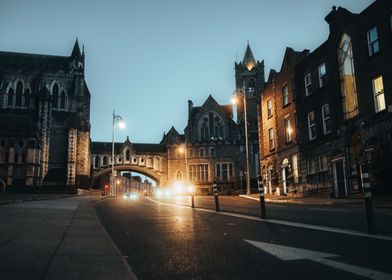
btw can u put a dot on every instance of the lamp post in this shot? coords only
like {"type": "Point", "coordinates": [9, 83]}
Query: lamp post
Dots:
{"type": "Point", "coordinates": [113, 189]}
{"type": "Point", "coordinates": [241, 93]}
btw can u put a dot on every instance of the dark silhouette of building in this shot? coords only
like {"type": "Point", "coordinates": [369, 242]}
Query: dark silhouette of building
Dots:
{"type": "Point", "coordinates": [44, 120]}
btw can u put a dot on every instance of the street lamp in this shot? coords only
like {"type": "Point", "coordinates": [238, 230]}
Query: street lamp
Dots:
{"type": "Point", "coordinates": [241, 93]}
{"type": "Point", "coordinates": [121, 124]}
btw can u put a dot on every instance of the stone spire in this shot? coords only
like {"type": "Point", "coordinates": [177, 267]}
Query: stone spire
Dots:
{"type": "Point", "coordinates": [249, 60]}
{"type": "Point", "coordinates": [76, 50]}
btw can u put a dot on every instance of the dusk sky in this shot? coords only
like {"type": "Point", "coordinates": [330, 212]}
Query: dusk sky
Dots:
{"type": "Point", "coordinates": [146, 58]}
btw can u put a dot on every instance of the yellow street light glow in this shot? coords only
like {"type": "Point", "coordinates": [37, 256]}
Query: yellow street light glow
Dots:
{"type": "Point", "coordinates": [233, 100]}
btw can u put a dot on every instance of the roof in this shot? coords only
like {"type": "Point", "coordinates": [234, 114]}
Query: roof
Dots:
{"type": "Point", "coordinates": [15, 59]}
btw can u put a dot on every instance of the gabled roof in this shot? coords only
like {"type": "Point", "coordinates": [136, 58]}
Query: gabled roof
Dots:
{"type": "Point", "coordinates": [211, 102]}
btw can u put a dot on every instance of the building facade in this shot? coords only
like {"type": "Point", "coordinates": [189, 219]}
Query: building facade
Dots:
{"type": "Point", "coordinates": [342, 108]}
{"type": "Point", "coordinates": [278, 129]}
{"type": "Point", "coordinates": [211, 148]}
{"type": "Point", "coordinates": [44, 120]}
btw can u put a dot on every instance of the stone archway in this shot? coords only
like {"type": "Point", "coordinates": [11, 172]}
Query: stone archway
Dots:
{"type": "Point", "coordinates": [157, 177]}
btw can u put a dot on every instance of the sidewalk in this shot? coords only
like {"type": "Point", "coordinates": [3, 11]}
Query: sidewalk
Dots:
{"type": "Point", "coordinates": [384, 202]}
{"type": "Point", "coordinates": [17, 198]}
{"type": "Point", "coordinates": [57, 239]}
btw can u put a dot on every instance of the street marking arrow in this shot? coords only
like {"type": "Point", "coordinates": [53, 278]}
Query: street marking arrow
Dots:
{"type": "Point", "coordinates": [286, 253]}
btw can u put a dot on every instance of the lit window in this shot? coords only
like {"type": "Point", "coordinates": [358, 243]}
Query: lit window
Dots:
{"type": "Point", "coordinates": [288, 129]}
{"type": "Point", "coordinates": [311, 126]}
{"type": "Point", "coordinates": [269, 108]}
{"type": "Point", "coordinates": [326, 118]}
{"type": "Point", "coordinates": [271, 138]}
{"type": "Point", "coordinates": [285, 93]}
{"type": "Point", "coordinates": [308, 84]}
{"type": "Point", "coordinates": [347, 78]}
{"type": "Point", "coordinates": [372, 38]}
{"type": "Point", "coordinates": [378, 93]}
{"type": "Point", "coordinates": [294, 161]}
{"type": "Point", "coordinates": [322, 73]}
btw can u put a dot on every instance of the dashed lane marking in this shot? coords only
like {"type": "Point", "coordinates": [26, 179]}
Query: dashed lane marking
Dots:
{"type": "Point", "coordinates": [286, 223]}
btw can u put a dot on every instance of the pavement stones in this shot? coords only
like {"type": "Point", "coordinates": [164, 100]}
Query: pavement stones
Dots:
{"type": "Point", "coordinates": [57, 239]}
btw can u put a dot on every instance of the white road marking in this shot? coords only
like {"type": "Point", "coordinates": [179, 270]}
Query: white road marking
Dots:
{"type": "Point", "coordinates": [329, 210]}
{"type": "Point", "coordinates": [286, 253]}
{"type": "Point", "coordinates": [286, 223]}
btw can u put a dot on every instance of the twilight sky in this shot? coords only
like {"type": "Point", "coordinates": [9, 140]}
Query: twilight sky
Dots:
{"type": "Point", "coordinates": [146, 58]}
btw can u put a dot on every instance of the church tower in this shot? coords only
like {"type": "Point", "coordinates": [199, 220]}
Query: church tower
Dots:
{"type": "Point", "coordinates": [249, 77]}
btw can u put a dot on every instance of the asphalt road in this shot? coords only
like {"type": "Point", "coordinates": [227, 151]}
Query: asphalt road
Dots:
{"type": "Point", "coordinates": [163, 241]}
{"type": "Point", "coordinates": [346, 216]}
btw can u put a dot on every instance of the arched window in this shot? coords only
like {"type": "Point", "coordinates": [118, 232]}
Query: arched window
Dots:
{"type": "Point", "coordinates": [96, 162]}
{"type": "Point", "coordinates": [179, 175]}
{"type": "Point", "coordinates": [26, 98]}
{"type": "Point", "coordinates": [347, 78]}
{"type": "Point", "coordinates": [105, 161]}
{"type": "Point", "coordinates": [63, 100]}
{"type": "Point", "coordinates": [18, 96]}
{"type": "Point", "coordinates": [204, 130]}
{"type": "Point", "coordinates": [127, 155]}
{"type": "Point", "coordinates": [55, 96]}
{"type": "Point", "coordinates": [211, 126]}
{"type": "Point", "coordinates": [10, 95]}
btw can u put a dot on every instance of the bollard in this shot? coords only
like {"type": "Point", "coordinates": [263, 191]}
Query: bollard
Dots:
{"type": "Point", "coordinates": [215, 188]}
{"type": "Point", "coordinates": [262, 200]}
{"type": "Point", "coordinates": [193, 201]}
{"type": "Point", "coordinates": [367, 194]}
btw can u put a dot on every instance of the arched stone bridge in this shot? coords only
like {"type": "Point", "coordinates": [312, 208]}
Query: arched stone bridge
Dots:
{"type": "Point", "coordinates": [146, 159]}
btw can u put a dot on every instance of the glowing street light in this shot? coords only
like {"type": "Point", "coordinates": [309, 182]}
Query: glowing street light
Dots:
{"type": "Point", "coordinates": [121, 124]}
{"type": "Point", "coordinates": [241, 93]}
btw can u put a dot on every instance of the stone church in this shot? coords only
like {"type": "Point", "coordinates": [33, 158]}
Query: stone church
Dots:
{"type": "Point", "coordinates": [44, 121]}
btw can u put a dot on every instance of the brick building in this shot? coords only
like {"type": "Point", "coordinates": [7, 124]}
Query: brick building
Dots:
{"type": "Point", "coordinates": [344, 103]}
{"type": "Point", "coordinates": [277, 125]}
{"type": "Point", "coordinates": [44, 120]}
